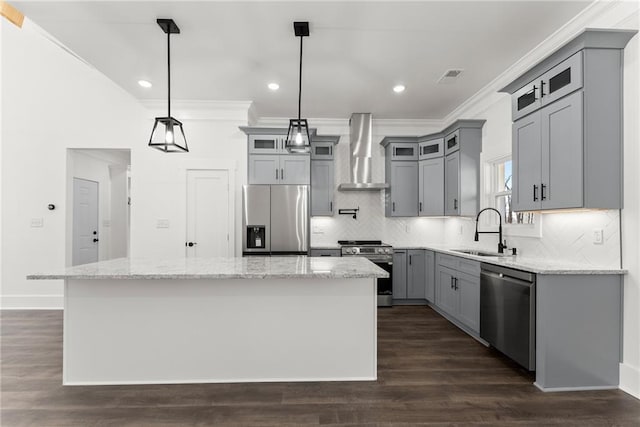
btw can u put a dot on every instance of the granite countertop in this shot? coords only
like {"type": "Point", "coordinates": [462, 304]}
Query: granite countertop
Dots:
{"type": "Point", "coordinates": [533, 265]}
{"type": "Point", "coordinates": [255, 267]}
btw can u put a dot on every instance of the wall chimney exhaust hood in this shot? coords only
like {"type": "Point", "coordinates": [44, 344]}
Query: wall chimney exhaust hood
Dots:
{"type": "Point", "coordinates": [360, 147]}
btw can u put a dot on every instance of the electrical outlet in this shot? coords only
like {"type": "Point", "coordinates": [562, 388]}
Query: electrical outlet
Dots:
{"type": "Point", "coordinates": [598, 238]}
{"type": "Point", "coordinates": [460, 230]}
{"type": "Point", "coordinates": [316, 229]}
{"type": "Point", "coordinates": [162, 223]}
{"type": "Point", "coordinates": [106, 223]}
{"type": "Point", "coordinates": [37, 222]}
{"type": "Point", "coordinates": [407, 228]}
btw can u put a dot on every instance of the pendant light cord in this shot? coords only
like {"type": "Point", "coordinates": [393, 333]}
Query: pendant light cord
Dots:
{"type": "Point", "coordinates": [300, 80]}
{"type": "Point", "coordinates": [169, 73]}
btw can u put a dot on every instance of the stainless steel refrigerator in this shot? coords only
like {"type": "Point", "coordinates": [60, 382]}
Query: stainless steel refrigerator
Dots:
{"type": "Point", "coordinates": [275, 219]}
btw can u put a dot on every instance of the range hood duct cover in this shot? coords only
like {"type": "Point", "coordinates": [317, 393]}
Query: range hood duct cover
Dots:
{"type": "Point", "coordinates": [360, 149]}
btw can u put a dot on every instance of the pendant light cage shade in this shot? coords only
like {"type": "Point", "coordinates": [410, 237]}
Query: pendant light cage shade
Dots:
{"type": "Point", "coordinates": [298, 140]}
{"type": "Point", "coordinates": [167, 136]}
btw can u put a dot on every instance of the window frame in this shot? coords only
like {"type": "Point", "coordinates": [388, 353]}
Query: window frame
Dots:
{"type": "Point", "coordinates": [491, 197]}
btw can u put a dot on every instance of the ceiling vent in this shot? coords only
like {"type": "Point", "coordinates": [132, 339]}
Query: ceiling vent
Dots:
{"type": "Point", "coordinates": [450, 76]}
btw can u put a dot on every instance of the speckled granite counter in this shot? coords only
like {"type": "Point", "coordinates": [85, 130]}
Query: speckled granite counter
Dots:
{"type": "Point", "coordinates": [533, 265]}
{"type": "Point", "coordinates": [256, 267]}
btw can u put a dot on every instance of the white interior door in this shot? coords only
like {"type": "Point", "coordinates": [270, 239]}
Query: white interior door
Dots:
{"type": "Point", "coordinates": [85, 221]}
{"type": "Point", "coordinates": [208, 220]}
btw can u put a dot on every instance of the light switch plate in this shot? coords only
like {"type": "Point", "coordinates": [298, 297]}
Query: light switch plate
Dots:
{"type": "Point", "coordinates": [316, 229]}
{"type": "Point", "coordinates": [162, 223]}
{"type": "Point", "coordinates": [106, 223]}
{"type": "Point", "coordinates": [598, 238]}
{"type": "Point", "coordinates": [37, 222]}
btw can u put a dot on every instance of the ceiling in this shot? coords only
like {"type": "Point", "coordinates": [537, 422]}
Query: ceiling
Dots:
{"type": "Point", "coordinates": [357, 51]}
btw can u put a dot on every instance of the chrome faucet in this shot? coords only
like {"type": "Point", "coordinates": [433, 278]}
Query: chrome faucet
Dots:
{"type": "Point", "coordinates": [501, 246]}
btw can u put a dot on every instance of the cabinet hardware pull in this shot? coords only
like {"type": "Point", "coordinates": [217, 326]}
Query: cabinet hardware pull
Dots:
{"type": "Point", "coordinates": [276, 173]}
{"type": "Point", "coordinates": [331, 206]}
{"type": "Point", "coordinates": [420, 206]}
{"type": "Point", "coordinates": [455, 283]}
{"type": "Point", "coordinates": [542, 197]}
{"type": "Point", "coordinates": [451, 282]}
{"type": "Point", "coordinates": [410, 256]}
{"type": "Point", "coordinates": [541, 88]}
{"type": "Point", "coordinates": [282, 173]}
{"type": "Point", "coordinates": [393, 206]}
{"type": "Point", "coordinates": [535, 193]}
{"type": "Point", "coordinates": [455, 204]}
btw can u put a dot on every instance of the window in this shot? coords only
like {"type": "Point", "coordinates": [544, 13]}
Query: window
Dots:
{"type": "Point", "coordinates": [500, 193]}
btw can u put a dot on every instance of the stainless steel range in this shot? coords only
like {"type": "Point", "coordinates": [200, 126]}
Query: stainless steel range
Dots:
{"type": "Point", "coordinates": [380, 254]}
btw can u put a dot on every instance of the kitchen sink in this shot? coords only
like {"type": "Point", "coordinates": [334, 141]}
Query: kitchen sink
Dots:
{"type": "Point", "coordinates": [479, 253]}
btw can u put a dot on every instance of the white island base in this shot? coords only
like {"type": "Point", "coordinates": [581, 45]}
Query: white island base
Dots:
{"type": "Point", "coordinates": [161, 331]}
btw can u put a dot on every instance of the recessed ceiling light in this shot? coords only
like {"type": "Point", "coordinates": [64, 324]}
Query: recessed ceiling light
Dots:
{"type": "Point", "coordinates": [273, 86]}
{"type": "Point", "coordinates": [398, 88]}
{"type": "Point", "coordinates": [144, 83]}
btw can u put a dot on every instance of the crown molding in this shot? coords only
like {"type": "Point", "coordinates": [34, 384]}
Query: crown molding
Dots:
{"type": "Point", "coordinates": [600, 13]}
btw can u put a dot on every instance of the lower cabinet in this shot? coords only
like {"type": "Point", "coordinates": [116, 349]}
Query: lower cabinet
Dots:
{"type": "Point", "coordinates": [413, 274]}
{"type": "Point", "coordinates": [458, 290]}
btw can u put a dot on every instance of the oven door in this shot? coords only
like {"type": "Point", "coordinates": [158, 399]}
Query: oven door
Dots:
{"type": "Point", "coordinates": [385, 286]}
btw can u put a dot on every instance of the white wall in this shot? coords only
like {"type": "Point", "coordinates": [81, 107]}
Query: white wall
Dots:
{"type": "Point", "coordinates": [51, 101]}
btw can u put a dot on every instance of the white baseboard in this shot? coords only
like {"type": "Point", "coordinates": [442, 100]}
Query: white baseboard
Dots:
{"type": "Point", "coordinates": [630, 380]}
{"type": "Point", "coordinates": [561, 389]}
{"type": "Point", "coordinates": [31, 302]}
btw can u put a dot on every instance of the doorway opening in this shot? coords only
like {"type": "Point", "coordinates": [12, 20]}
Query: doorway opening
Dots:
{"type": "Point", "coordinates": [98, 211]}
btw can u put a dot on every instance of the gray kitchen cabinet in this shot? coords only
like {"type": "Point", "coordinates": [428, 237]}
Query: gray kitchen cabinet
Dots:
{"type": "Point", "coordinates": [279, 169]}
{"type": "Point", "coordinates": [430, 276]}
{"type": "Point", "coordinates": [430, 146]}
{"type": "Point", "coordinates": [468, 288]}
{"type": "Point", "coordinates": [446, 297]}
{"type": "Point", "coordinates": [462, 145]}
{"type": "Point", "coordinates": [264, 169]}
{"type": "Point", "coordinates": [401, 173]}
{"type": "Point", "coordinates": [416, 274]}
{"type": "Point", "coordinates": [526, 157]}
{"type": "Point", "coordinates": [403, 194]}
{"type": "Point", "coordinates": [295, 169]}
{"type": "Point", "coordinates": [266, 144]}
{"type": "Point", "coordinates": [322, 187]}
{"type": "Point", "coordinates": [546, 145]}
{"type": "Point", "coordinates": [431, 187]}
{"type": "Point", "coordinates": [575, 95]}
{"type": "Point", "coordinates": [324, 252]}
{"type": "Point", "coordinates": [457, 290]}
{"type": "Point", "coordinates": [399, 279]}
{"type": "Point", "coordinates": [452, 184]}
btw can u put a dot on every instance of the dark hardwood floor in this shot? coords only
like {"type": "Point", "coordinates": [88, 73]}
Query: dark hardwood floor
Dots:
{"type": "Point", "coordinates": [429, 373]}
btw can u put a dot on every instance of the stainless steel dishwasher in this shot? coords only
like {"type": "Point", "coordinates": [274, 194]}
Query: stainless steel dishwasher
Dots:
{"type": "Point", "coordinates": [508, 312]}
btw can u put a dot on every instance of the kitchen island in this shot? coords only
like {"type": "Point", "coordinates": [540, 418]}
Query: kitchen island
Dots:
{"type": "Point", "coordinates": [197, 320]}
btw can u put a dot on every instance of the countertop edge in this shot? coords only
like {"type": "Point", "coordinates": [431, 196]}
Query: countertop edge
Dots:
{"type": "Point", "coordinates": [524, 267]}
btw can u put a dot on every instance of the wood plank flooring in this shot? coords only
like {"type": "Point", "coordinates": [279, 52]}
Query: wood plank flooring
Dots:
{"type": "Point", "coordinates": [430, 373]}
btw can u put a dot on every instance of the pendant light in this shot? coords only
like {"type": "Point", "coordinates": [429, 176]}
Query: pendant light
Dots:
{"type": "Point", "coordinates": [167, 134]}
{"type": "Point", "coordinates": [298, 140]}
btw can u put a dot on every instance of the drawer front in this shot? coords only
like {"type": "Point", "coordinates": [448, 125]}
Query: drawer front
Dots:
{"type": "Point", "coordinates": [562, 79]}
{"type": "Point", "coordinates": [431, 149]}
{"type": "Point", "coordinates": [324, 252]}
{"type": "Point", "coordinates": [452, 142]}
{"type": "Point", "coordinates": [447, 261]}
{"type": "Point", "coordinates": [404, 151]}
{"type": "Point", "coordinates": [469, 266]}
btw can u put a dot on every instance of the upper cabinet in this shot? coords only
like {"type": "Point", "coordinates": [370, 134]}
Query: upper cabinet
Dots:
{"type": "Point", "coordinates": [462, 144]}
{"type": "Point", "coordinates": [401, 173]}
{"type": "Point", "coordinates": [270, 163]}
{"type": "Point", "coordinates": [431, 176]}
{"type": "Point", "coordinates": [322, 175]}
{"type": "Point", "coordinates": [567, 126]}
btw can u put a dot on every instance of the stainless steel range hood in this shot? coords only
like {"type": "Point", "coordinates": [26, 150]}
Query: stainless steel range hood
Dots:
{"type": "Point", "coordinates": [360, 148]}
